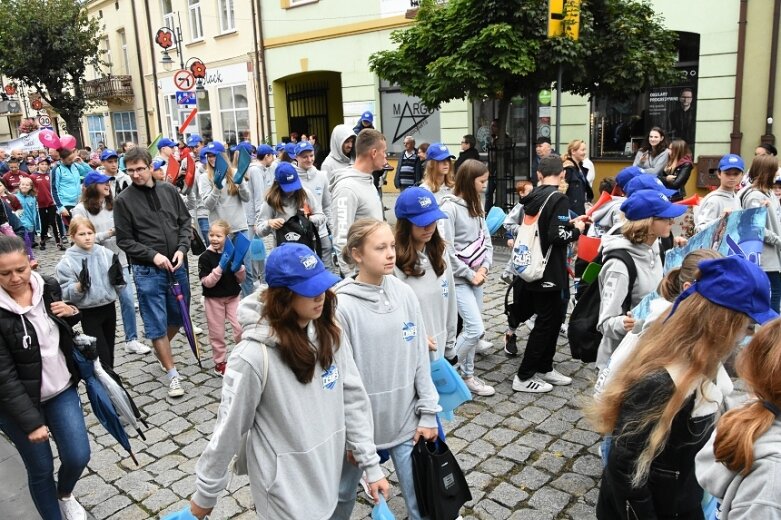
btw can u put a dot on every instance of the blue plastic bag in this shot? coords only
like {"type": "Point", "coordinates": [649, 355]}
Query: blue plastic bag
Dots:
{"type": "Point", "coordinates": [257, 250]}
{"type": "Point", "coordinates": [452, 390]}
{"type": "Point", "coordinates": [183, 514]}
{"type": "Point", "coordinates": [495, 219]}
{"type": "Point", "coordinates": [381, 511]}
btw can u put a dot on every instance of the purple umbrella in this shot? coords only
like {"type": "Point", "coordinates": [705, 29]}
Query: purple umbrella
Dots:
{"type": "Point", "coordinates": [176, 290]}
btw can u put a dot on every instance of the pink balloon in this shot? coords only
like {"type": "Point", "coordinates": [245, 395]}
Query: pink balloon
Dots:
{"type": "Point", "coordinates": [49, 139]}
{"type": "Point", "coordinates": [68, 141]}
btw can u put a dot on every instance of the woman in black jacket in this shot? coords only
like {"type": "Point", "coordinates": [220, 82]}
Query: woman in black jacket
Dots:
{"type": "Point", "coordinates": [38, 391]}
{"type": "Point", "coordinates": [578, 190]}
{"type": "Point", "coordinates": [678, 169]}
{"type": "Point", "coordinates": [661, 406]}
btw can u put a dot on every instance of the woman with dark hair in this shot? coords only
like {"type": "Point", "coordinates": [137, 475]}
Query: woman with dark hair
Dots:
{"type": "Point", "coordinates": [766, 149]}
{"type": "Point", "coordinates": [292, 397]}
{"type": "Point", "coordinates": [652, 156]}
{"type": "Point", "coordinates": [471, 255]}
{"type": "Point", "coordinates": [678, 168]}
{"type": "Point", "coordinates": [39, 396]}
{"type": "Point", "coordinates": [97, 206]}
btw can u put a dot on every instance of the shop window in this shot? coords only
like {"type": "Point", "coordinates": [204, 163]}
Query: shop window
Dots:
{"type": "Point", "coordinates": [234, 114]}
{"type": "Point", "coordinates": [125, 128]}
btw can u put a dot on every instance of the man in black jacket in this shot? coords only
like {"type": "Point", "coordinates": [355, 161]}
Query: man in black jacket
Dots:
{"type": "Point", "coordinates": [153, 228]}
{"type": "Point", "coordinates": [468, 151]}
{"type": "Point", "coordinates": [543, 297]}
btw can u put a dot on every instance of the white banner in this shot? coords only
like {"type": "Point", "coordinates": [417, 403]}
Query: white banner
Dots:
{"type": "Point", "coordinates": [28, 143]}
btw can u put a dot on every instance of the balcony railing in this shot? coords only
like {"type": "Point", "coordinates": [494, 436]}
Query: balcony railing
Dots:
{"type": "Point", "coordinates": [109, 88]}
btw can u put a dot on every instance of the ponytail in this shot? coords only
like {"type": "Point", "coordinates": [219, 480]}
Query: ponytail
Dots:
{"type": "Point", "coordinates": [670, 286]}
{"type": "Point", "coordinates": [736, 433]}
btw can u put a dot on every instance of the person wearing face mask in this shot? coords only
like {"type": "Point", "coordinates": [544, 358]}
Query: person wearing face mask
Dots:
{"type": "Point", "coordinates": [579, 190]}
{"type": "Point", "coordinates": [652, 156]}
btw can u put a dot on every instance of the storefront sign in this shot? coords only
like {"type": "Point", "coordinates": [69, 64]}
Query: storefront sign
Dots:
{"type": "Point", "coordinates": [404, 115]}
{"type": "Point", "coordinates": [218, 77]}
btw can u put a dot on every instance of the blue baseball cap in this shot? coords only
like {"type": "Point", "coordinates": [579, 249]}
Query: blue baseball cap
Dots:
{"type": "Point", "coordinates": [108, 154]}
{"type": "Point", "coordinates": [290, 150]}
{"type": "Point", "coordinates": [244, 145]}
{"type": "Point", "coordinates": [735, 283]}
{"type": "Point", "coordinates": [156, 165]}
{"type": "Point", "coordinates": [419, 206]}
{"type": "Point", "coordinates": [202, 154]}
{"type": "Point", "coordinates": [287, 177]}
{"type": "Point", "coordinates": [214, 148]}
{"type": "Point", "coordinates": [95, 177]}
{"type": "Point", "coordinates": [279, 147]}
{"type": "Point", "coordinates": [194, 140]}
{"type": "Point", "coordinates": [304, 146]}
{"type": "Point", "coordinates": [367, 116]}
{"type": "Point", "coordinates": [298, 268]}
{"type": "Point", "coordinates": [438, 152]}
{"type": "Point", "coordinates": [264, 150]}
{"type": "Point", "coordinates": [650, 203]}
{"type": "Point", "coordinates": [627, 174]}
{"type": "Point", "coordinates": [732, 161]}
{"type": "Point", "coordinates": [165, 142]}
{"type": "Point", "coordinates": [647, 182]}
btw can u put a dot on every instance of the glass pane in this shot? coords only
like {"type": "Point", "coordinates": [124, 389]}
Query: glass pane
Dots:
{"type": "Point", "coordinates": [131, 120]}
{"type": "Point", "coordinates": [242, 124]}
{"type": "Point", "coordinates": [228, 128]}
{"type": "Point", "coordinates": [115, 121]}
{"type": "Point", "coordinates": [226, 101]}
{"type": "Point", "coordinates": [240, 97]}
{"type": "Point", "coordinates": [167, 6]}
{"type": "Point", "coordinates": [224, 23]}
{"type": "Point", "coordinates": [203, 103]}
{"type": "Point", "coordinates": [205, 126]}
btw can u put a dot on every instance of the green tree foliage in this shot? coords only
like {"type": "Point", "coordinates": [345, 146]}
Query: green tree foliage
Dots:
{"type": "Point", "coordinates": [499, 49]}
{"type": "Point", "coordinates": [47, 45]}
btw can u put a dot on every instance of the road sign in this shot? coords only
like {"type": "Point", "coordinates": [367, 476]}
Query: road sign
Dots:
{"type": "Point", "coordinates": [188, 120]}
{"type": "Point", "coordinates": [185, 98]}
{"type": "Point", "coordinates": [184, 80]}
{"type": "Point", "coordinates": [44, 121]}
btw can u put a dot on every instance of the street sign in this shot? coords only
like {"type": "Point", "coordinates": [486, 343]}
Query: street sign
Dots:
{"type": "Point", "coordinates": [564, 18]}
{"type": "Point", "coordinates": [185, 98]}
{"type": "Point", "coordinates": [44, 121]}
{"type": "Point", "coordinates": [188, 121]}
{"type": "Point", "coordinates": [184, 80]}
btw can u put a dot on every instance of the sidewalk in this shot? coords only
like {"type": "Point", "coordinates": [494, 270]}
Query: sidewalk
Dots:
{"type": "Point", "coordinates": [15, 501]}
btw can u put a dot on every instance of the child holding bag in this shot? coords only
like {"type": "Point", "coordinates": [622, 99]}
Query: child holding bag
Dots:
{"type": "Point", "coordinates": [90, 276]}
{"type": "Point", "coordinates": [221, 278]}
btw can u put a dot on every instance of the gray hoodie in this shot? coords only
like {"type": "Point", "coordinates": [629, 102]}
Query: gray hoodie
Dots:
{"type": "Point", "coordinates": [386, 328]}
{"type": "Point", "coordinates": [353, 197]}
{"type": "Point", "coordinates": [606, 216]}
{"type": "Point", "coordinates": [755, 496]}
{"type": "Point", "coordinates": [336, 159]}
{"type": "Point", "coordinates": [297, 433]}
{"type": "Point", "coordinates": [256, 184]}
{"type": "Point", "coordinates": [713, 206]}
{"type": "Point", "coordinates": [104, 223]}
{"type": "Point", "coordinates": [437, 298]}
{"type": "Point", "coordinates": [651, 165]}
{"type": "Point", "coordinates": [461, 229]}
{"type": "Point", "coordinates": [614, 284]}
{"type": "Point", "coordinates": [771, 250]}
{"type": "Point", "coordinates": [99, 259]}
{"type": "Point", "coordinates": [222, 205]}
{"type": "Point", "coordinates": [316, 182]}
{"type": "Point", "coordinates": [289, 210]}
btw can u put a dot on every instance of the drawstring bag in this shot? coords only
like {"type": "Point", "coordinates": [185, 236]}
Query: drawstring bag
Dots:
{"type": "Point", "coordinates": [257, 250]}
{"type": "Point", "coordinates": [440, 485]}
{"type": "Point", "coordinates": [527, 258]}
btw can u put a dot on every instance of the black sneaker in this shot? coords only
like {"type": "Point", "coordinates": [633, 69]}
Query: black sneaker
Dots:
{"type": "Point", "coordinates": [510, 345]}
{"type": "Point", "coordinates": [453, 361]}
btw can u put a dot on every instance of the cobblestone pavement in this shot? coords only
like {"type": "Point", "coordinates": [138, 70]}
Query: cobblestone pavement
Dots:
{"type": "Point", "coordinates": [526, 456]}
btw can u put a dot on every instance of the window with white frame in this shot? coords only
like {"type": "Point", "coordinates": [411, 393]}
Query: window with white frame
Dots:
{"type": "Point", "coordinates": [234, 114]}
{"type": "Point", "coordinates": [107, 55]}
{"type": "Point", "coordinates": [125, 69]}
{"type": "Point", "coordinates": [227, 17]}
{"type": "Point", "coordinates": [125, 128]}
{"type": "Point", "coordinates": [96, 130]}
{"type": "Point", "coordinates": [168, 13]}
{"type": "Point", "coordinates": [196, 24]}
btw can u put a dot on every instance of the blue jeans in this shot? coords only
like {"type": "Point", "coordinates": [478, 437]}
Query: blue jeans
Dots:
{"type": "Point", "coordinates": [158, 306]}
{"type": "Point", "coordinates": [128, 309]}
{"type": "Point", "coordinates": [470, 308]}
{"type": "Point", "coordinates": [775, 289]}
{"type": "Point", "coordinates": [351, 475]}
{"type": "Point", "coordinates": [248, 286]}
{"type": "Point", "coordinates": [65, 419]}
{"type": "Point", "coordinates": [203, 225]}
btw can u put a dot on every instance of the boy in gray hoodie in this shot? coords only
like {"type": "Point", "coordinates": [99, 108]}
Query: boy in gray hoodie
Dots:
{"type": "Point", "coordinates": [722, 200]}
{"type": "Point", "coordinates": [292, 476]}
{"type": "Point", "coordinates": [340, 156]}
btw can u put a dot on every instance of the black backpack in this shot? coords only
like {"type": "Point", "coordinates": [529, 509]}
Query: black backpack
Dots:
{"type": "Point", "coordinates": [300, 229]}
{"type": "Point", "coordinates": [584, 338]}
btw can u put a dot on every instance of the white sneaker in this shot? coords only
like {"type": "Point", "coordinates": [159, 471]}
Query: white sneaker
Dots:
{"type": "Point", "coordinates": [555, 378]}
{"type": "Point", "coordinates": [530, 323]}
{"type": "Point", "coordinates": [136, 347]}
{"type": "Point", "coordinates": [175, 388]}
{"type": "Point", "coordinates": [197, 330]}
{"type": "Point", "coordinates": [478, 387]}
{"type": "Point", "coordinates": [563, 330]}
{"type": "Point", "coordinates": [484, 347]}
{"type": "Point", "coordinates": [535, 385]}
{"type": "Point", "coordinates": [70, 509]}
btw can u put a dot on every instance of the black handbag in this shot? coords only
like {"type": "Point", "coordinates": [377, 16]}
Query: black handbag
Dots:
{"type": "Point", "coordinates": [196, 243]}
{"type": "Point", "coordinates": [440, 486]}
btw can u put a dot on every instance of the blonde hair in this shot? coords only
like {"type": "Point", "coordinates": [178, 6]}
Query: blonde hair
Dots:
{"type": "Point", "coordinates": [357, 235]}
{"type": "Point", "coordinates": [431, 177]}
{"type": "Point", "coordinates": [222, 224]}
{"type": "Point", "coordinates": [637, 231]}
{"type": "Point", "coordinates": [571, 147]}
{"type": "Point", "coordinates": [77, 222]}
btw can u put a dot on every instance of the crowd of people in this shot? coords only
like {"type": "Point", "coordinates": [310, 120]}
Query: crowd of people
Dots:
{"type": "Point", "coordinates": [336, 326]}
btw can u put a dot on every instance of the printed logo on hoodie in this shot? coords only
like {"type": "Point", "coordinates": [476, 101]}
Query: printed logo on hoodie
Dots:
{"type": "Point", "coordinates": [445, 288]}
{"type": "Point", "coordinates": [409, 331]}
{"type": "Point", "coordinates": [330, 377]}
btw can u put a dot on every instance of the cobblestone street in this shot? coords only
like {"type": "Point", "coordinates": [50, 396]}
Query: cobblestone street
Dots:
{"type": "Point", "coordinates": [526, 456]}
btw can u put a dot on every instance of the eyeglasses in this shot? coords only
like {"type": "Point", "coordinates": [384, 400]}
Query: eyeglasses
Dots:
{"type": "Point", "coordinates": [133, 171]}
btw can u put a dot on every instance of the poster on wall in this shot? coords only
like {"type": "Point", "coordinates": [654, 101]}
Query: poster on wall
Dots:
{"type": "Point", "coordinates": [674, 108]}
{"type": "Point", "coordinates": [404, 115]}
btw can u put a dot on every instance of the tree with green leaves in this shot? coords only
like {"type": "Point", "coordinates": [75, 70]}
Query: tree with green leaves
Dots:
{"type": "Point", "coordinates": [499, 49]}
{"type": "Point", "coordinates": [47, 45]}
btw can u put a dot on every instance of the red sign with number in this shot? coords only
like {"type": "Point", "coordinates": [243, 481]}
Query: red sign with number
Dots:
{"type": "Point", "coordinates": [184, 80]}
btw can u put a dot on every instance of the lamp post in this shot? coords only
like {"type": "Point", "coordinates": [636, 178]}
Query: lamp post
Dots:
{"type": "Point", "coordinates": [167, 37]}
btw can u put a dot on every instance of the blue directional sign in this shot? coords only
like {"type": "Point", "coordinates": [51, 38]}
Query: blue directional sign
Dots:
{"type": "Point", "coordinates": [185, 98]}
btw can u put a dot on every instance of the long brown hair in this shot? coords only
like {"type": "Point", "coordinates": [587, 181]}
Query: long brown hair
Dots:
{"type": "Point", "coordinates": [464, 186]}
{"type": "Point", "coordinates": [407, 256]}
{"type": "Point", "coordinates": [672, 283]}
{"type": "Point", "coordinates": [294, 346]}
{"type": "Point", "coordinates": [763, 171]}
{"type": "Point", "coordinates": [431, 178]}
{"type": "Point", "coordinates": [759, 365]}
{"type": "Point", "coordinates": [698, 336]}
{"type": "Point", "coordinates": [276, 197]}
{"type": "Point", "coordinates": [232, 188]}
{"type": "Point", "coordinates": [678, 150]}
{"type": "Point", "coordinates": [660, 147]}
{"type": "Point", "coordinates": [91, 200]}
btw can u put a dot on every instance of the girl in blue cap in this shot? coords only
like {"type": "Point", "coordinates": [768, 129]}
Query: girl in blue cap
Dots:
{"type": "Point", "coordinates": [438, 176]}
{"type": "Point", "coordinates": [661, 408]}
{"type": "Point", "coordinates": [292, 397]}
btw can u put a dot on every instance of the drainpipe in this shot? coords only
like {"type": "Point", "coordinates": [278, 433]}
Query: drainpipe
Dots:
{"type": "Point", "coordinates": [154, 69]}
{"type": "Point", "coordinates": [264, 76]}
{"type": "Point", "coordinates": [256, 70]}
{"type": "Point", "coordinates": [736, 137]}
{"type": "Point", "coordinates": [140, 70]}
{"type": "Point", "coordinates": [769, 138]}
